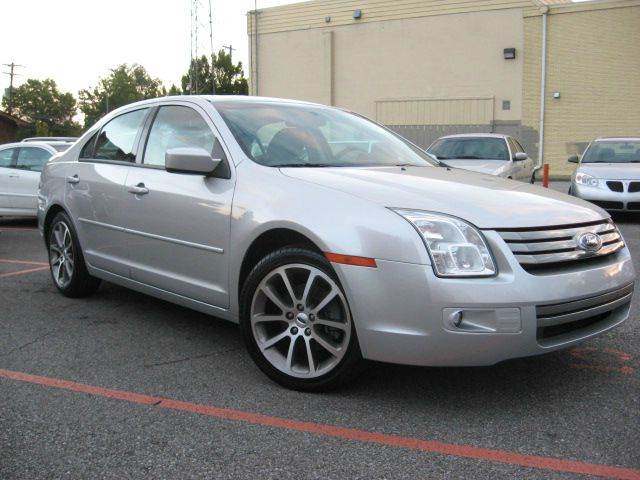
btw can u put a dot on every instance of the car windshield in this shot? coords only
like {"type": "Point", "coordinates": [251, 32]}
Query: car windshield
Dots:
{"type": "Point", "coordinates": [290, 135]}
{"type": "Point", "coordinates": [613, 152]}
{"type": "Point", "coordinates": [470, 148]}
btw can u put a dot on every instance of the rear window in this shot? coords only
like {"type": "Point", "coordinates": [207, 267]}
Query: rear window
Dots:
{"type": "Point", "coordinates": [470, 148]}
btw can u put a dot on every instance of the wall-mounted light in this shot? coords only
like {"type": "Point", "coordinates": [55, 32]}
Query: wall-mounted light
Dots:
{"type": "Point", "coordinates": [509, 53]}
{"type": "Point", "coordinates": [556, 95]}
{"type": "Point", "coordinates": [506, 105]}
{"type": "Point", "coordinates": [327, 19]}
{"type": "Point", "coordinates": [357, 14]}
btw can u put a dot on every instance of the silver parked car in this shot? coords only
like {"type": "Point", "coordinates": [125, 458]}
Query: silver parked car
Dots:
{"type": "Point", "coordinates": [20, 167]}
{"type": "Point", "coordinates": [330, 239]}
{"type": "Point", "coordinates": [608, 174]}
{"type": "Point", "coordinates": [494, 154]}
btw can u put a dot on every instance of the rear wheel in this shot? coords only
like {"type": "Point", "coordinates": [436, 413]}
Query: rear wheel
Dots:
{"type": "Point", "coordinates": [296, 321]}
{"type": "Point", "coordinates": [68, 270]}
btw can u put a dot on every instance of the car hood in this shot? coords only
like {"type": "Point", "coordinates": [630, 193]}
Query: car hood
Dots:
{"type": "Point", "coordinates": [612, 171]}
{"type": "Point", "coordinates": [491, 167]}
{"type": "Point", "coordinates": [486, 201]}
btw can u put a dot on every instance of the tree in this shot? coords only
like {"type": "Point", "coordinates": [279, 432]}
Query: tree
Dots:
{"type": "Point", "coordinates": [229, 78]}
{"type": "Point", "coordinates": [40, 103]}
{"type": "Point", "coordinates": [125, 84]}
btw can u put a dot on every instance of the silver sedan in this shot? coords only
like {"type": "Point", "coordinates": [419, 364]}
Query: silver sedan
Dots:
{"type": "Point", "coordinates": [328, 238]}
{"type": "Point", "coordinates": [608, 174]}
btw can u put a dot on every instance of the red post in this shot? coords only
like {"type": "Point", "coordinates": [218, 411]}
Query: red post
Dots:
{"type": "Point", "coordinates": [545, 175]}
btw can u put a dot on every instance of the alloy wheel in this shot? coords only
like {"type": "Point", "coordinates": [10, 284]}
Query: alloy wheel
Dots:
{"type": "Point", "coordinates": [61, 256]}
{"type": "Point", "coordinates": [300, 320]}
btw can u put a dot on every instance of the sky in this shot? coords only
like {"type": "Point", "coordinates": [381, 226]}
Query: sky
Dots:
{"type": "Point", "coordinates": [76, 42]}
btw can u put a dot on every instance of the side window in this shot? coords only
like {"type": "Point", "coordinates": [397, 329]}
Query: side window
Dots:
{"type": "Point", "coordinates": [87, 150]}
{"type": "Point", "coordinates": [175, 127]}
{"type": "Point", "coordinates": [116, 139]}
{"type": "Point", "coordinates": [6, 156]}
{"type": "Point", "coordinates": [32, 158]}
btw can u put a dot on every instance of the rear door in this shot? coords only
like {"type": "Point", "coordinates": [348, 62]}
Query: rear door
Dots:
{"type": "Point", "coordinates": [7, 176]}
{"type": "Point", "coordinates": [95, 191]}
{"type": "Point", "coordinates": [178, 229]}
{"type": "Point", "coordinates": [29, 163]}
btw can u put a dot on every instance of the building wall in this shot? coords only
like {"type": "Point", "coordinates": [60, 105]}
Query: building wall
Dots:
{"type": "Point", "coordinates": [400, 69]}
{"type": "Point", "coordinates": [8, 130]}
{"type": "Point", "coordinates": [593, 60]}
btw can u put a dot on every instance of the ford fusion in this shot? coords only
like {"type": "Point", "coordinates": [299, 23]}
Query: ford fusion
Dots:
{"type": "Point", "coordinates": [328, 238]}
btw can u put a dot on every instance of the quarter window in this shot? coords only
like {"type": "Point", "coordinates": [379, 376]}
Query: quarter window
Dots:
{"type": "Point", "coordinates": [175, 127]}
{"type": "Point", "coordinates": [6, 156]}
{"type": "Point", "coordinates": [32, 159]}
{"type": "Point", "coordinates": [117, 138]}
{"type": "Point", "coordinates": [87, 150]}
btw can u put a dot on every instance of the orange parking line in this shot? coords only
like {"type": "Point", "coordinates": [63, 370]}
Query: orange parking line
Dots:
{"type": "Point", "coordinates": [349, 434]}
{"type": "Point", "coordinates": [22, 272]}
{"type": "Point", "coordinates": [25, 262]}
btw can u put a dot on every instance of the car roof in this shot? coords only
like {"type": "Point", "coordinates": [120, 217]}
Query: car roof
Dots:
{"type": "Point", "coordinates": [477, 135]}
{"type": "Point", "coordinates": [46, 145]}
{"type": "Point", "coordinates": [617, 139]}
{"type": "Point", "coordinates": [50, 139]}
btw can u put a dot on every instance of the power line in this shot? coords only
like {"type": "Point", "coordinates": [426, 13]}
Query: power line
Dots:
{"type": "Point", "coordinates": [11, 74]}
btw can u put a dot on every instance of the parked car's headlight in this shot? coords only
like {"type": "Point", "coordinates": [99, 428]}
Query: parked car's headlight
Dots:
{"type": "Point", "coordinates": [456, 247]}
{"type": "Point", "coordinates": [584, 179]}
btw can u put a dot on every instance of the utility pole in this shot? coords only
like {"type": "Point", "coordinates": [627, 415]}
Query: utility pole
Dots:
{"type": "Point", "coordinates": [231, 49]}
{"type": "Point", "coordinates": [213, 73]}
{"type": "Point", "coordinates": [196, 2]}
{"type": "Point", "coordinates": [11, 74]}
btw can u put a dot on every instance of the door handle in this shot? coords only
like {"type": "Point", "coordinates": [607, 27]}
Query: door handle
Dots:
{"type": "Point", "coordinates": [13, 175]}
{"type": "Point", "coordinates": [138, 189]}
{"type": "Point", "coordinates": [73, 180]}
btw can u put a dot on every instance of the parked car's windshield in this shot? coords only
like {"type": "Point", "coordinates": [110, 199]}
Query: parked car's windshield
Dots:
{"type": "Point", "coordinates": [470, 148]}
{"type": "Point", "coordinates": [613, 152]}
{"type": "Point", "coordinates": [279, 135]}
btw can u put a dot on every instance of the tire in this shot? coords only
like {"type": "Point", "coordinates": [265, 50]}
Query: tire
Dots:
{"type": "Point", "coordinates": [294, 345]}
{"type": "Point", "coordinates": [66, 262]}
{"type": "Point", "coordinates": [533, 179]}
{"type": "Point", "coordinates": [570, 192]}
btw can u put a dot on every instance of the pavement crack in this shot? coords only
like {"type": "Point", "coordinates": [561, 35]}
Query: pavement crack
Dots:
{"type": "Point", "coordinates": [28, 344]}
{"type": "Point", "coordinates": [186, 359]}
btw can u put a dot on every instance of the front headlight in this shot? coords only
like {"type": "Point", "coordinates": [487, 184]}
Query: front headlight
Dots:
{"type": "Point", "coordinates": [584, 179]}
{"type": "Point", "coordinates": [456, 247]}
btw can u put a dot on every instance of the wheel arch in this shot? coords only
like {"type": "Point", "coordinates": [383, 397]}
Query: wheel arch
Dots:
{"type": "Point", "coordinates": [270, 241]}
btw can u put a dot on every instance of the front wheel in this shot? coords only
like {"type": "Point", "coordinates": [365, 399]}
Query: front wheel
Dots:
{"type": "Point", "coordinates": [296, 321]}
{"type": "Point", "coordinates": [68, 270]}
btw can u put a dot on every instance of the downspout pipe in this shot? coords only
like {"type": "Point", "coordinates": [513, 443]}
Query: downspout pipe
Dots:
{"type": "Point", "coordinates": [543, 89]}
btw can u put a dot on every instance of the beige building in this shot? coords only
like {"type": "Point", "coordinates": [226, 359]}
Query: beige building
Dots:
{"type": "Point", "coordinates": [433, 67]}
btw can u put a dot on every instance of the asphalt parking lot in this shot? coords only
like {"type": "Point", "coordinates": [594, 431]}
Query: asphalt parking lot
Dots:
{"type": "Point", "coordinates": [121, 385]}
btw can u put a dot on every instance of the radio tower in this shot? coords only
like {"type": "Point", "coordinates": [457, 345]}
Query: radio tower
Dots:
{"type": "Point", "coordinates": [194, 81]}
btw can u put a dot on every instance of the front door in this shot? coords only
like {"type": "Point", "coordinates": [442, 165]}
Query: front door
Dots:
{"type": "Point", "coordinates": [178, 224]}
{"type": "Point", "coordinates": [95, 191]}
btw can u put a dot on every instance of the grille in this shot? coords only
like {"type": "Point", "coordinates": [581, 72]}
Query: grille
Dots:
{"type": "Point", "coordinates": [608, 205]}
{"type": "Point", "coordinates": [540, 246]}
{"type": "Point", "coordinates": [615, 186]}
{"type": "Point", "coordinates": [634, 187]}
{"type": "Point", "coordinates": [633, 206]}
{"type": "Point", "coordinates": [576, 317]}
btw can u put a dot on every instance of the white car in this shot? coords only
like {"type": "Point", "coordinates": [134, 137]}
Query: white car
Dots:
{"type": "Point", "coordinates": [494, 154]}
{"type": "Point", "coordinates": [20, 167]}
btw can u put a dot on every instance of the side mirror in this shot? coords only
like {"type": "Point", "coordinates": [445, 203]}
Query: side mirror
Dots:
{"type": "Point", "coordinates": [190, 160]}
{"type": "Point", "coordinates": [573, 159]}
{"type": "Point", "coordinates": [519, 156]}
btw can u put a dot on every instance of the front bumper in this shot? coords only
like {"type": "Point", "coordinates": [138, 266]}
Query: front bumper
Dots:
{"type": "Point", "coordinates": [606, 198]}
{"type": "Point", "coordinates": [401, 310]}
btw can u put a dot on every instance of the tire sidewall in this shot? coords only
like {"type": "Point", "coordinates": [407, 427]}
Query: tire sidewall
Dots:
{"type": "Point", "coordinates": [279, 258]}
